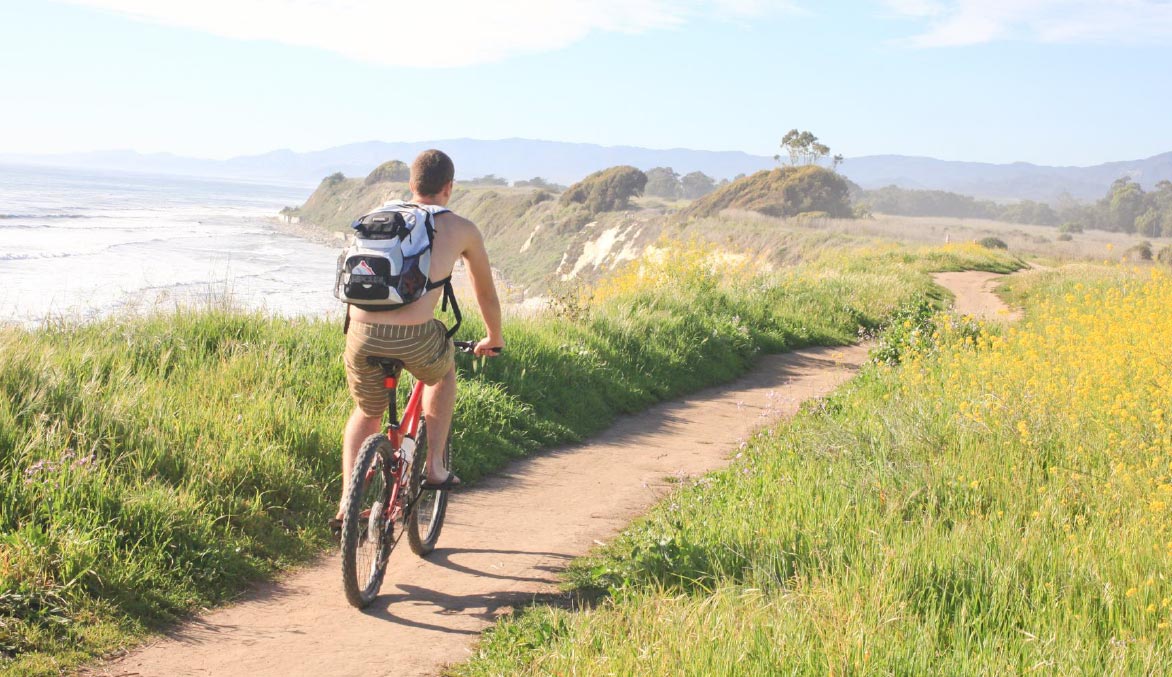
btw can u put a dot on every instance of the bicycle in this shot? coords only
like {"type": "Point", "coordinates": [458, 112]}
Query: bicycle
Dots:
{"type": "Point", "coordinates": [385, 488]}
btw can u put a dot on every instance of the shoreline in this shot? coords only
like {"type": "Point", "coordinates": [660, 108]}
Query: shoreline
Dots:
{"type": "Point", "coordinates": [306, 231]}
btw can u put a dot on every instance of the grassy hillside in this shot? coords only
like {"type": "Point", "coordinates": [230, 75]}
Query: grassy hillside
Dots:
{"type": "Point", "coordinates": [785, 191]}
{"type": "Point", "coordinates": [543, 242]}
{"type": "Point", "coordinates": [996, 504]}
{"type": "Point", "coordinates": [526, 231]}
{"type": "Point", "coordinates": [155, 465]}
{"type": "Point", "coordinates": [539, 239]}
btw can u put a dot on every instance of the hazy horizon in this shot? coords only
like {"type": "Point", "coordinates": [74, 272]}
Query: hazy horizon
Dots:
{"type": "Point", "coordinates": [302, 151]}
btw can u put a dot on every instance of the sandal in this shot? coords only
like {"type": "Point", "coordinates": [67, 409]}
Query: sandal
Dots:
{"type": "Point", "coordinates": [450, 482]}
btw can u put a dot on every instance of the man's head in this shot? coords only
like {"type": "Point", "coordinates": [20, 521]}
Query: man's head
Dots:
{"type": "Point", "coordinates": [431, 176]}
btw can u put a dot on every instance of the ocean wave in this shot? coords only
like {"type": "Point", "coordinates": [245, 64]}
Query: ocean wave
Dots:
{"type": "Point", "coordinates": [4, 217]}
{"type": "Point", "coordinates": [93, 251]}
{"type": "Point", "coordinates": [20, 256]}
{"type": "Point", "coordinates": [27, 226]}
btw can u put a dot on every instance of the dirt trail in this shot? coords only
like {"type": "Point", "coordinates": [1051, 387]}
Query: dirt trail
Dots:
{"type": "Point", "coordinates": [974, 295]}
{"type": "Point", "coordinates": [504, 541]}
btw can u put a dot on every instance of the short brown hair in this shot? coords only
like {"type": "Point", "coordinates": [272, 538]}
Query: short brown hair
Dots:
{"type": "Point", "coordinates": [431, 171]}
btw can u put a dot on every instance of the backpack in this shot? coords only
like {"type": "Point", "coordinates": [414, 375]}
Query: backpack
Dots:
{"type": "Point", "coordinates": [387, 265]}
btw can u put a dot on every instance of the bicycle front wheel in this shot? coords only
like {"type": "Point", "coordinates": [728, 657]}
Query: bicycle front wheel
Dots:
{"type": "Point", "coordinates": [367, 534]}
{"type": "Point", "coordinates": [426, 518]}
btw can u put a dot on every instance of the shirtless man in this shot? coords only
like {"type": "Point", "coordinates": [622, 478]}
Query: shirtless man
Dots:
{"type": "Point", "coordinates": [412, 334]}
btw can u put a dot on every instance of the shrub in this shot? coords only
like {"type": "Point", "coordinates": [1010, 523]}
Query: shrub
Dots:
{"type": "Point", "coordinates": [992, 243]}
{"type": "Point", "coordinates": [1140, 252]}
{"type": "Point", "coordinates": [395, 171]}
{"type": "Point", "coordinates": [786, 191]}
{"type": "Point", "coordinates": [1070, 227]}
{"type": "Point", "coordinates": [908, 328]}
{"type": "Point", "coordinates": [538, 182]}
{"type": "Point", "coordinates": [1165, 255]}
{"type": "Point", "coordinates": [334, 179]}
{"type": "Point", "coordinates": [1065, 237]}
{"type": "Point", "coordinates": [607, 190]}
{"type": "Point", "coordinates": [487, 180]}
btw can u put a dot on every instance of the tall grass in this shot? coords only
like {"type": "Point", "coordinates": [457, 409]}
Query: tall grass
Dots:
{"type": "Point", "coordinates": [995, 504]}
{"type": "Point", "coordinates": [152, 465]}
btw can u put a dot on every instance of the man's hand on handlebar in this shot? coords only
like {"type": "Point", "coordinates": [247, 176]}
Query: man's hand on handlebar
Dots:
{"type": "Point", "coordinates": [482, 348]}
{"type": "Point", "coordinates": [488, 348]}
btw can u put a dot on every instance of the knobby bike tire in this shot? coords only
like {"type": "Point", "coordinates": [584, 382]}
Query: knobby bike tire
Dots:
{"type": "Point", "coordinates": [426, 519]}
{"type": "Point", "coordinates": [367, 542]}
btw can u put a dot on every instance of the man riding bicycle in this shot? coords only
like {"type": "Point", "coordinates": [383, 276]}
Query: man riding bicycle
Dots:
{"type": "Point", "coordinates": [411, 333]}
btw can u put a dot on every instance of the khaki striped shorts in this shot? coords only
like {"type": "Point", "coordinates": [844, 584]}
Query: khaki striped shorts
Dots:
{"type": "Point", "coordinates": [425, 349]}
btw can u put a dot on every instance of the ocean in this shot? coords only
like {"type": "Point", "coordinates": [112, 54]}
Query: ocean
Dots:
{"type": "Point", "coordinates": [79, 244]}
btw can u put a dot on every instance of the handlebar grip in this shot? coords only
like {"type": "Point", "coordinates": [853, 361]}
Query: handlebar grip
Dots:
{"type": "Point", "coordinates": [469, 346]}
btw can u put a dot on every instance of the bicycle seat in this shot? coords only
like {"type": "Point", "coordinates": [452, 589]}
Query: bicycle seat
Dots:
{"type": "Point", "coordinates": [389, 365]}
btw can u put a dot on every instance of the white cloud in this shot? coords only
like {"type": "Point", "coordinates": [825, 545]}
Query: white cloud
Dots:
{"type": "Point", "coordinates": [425, 33]}
{"type": "Point", "coordinates": [970, 22]}
{"type": "Point", "coordinates": [915, 7]}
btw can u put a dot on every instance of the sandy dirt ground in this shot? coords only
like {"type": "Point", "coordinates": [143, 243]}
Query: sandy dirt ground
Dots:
{"type": "Point", "coordinates": [974, 295]}
{"type": "Point", "coordinates": [504, 541]}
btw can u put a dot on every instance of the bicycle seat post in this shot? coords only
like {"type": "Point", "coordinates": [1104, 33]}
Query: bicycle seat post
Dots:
{"type": "Point", "coordinates": [391, 370]}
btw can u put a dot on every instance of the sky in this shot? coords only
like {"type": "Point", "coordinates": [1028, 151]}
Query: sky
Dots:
{"type": "Point", "coordinates": [1060, 82]}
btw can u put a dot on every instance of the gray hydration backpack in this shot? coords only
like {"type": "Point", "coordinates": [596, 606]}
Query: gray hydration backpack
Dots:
{"type": "Point", "coordinates": [387, 265]}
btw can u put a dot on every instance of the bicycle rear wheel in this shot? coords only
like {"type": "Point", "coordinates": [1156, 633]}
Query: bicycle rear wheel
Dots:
{"type": "Point", "coordinates": [367, 534]}
{"type": "Point", "coordinates": [426, 519]}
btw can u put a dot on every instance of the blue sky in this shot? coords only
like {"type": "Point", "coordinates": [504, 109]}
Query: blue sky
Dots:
{"type": "Point", "coordinates": [1046, 81]}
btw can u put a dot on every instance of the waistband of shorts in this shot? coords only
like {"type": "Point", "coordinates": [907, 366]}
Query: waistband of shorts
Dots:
{"type": "Point", "coordinates": [393, 331]}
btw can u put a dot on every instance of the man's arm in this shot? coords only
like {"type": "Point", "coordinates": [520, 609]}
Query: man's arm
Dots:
{"type": "Point", "coordinates": [480, 272]}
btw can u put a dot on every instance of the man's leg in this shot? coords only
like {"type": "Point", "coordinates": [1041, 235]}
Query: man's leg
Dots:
{"type": "Point", "coordinates": [358, 428]}
{"type": "Point", "coordinates": [439, 401]}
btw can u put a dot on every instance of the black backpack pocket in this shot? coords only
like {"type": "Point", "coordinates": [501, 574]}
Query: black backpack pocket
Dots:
{"type": "Point", "coordinates": [381, 226]}
{"type": "Point", "coordinates": [367, 278]}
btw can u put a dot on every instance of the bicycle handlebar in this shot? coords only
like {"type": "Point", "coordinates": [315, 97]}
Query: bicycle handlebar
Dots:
{"type": "Point", "coordinates": [470, 346]}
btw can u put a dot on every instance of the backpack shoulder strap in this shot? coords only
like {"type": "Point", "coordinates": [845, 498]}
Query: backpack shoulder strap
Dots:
{"type": "Point", "coordinates": [450, 297]}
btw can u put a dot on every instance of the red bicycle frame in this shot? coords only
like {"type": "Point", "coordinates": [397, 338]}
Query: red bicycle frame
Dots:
{"type": "Point", "coordinates": [399, 429]}
{"type": "Point", "coordinates": [396, 430]}
{"type": "Point", "coordinates": [408, 426]}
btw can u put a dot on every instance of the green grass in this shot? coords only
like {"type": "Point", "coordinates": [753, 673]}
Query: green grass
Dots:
{"type": "Point", "coordinates": [154, 465]}
{"type": "Point", "coordinates": [890, 530]}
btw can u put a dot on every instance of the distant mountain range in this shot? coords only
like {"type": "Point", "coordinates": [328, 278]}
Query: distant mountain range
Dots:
{"type": "Point", "coordinates": [567, 162]}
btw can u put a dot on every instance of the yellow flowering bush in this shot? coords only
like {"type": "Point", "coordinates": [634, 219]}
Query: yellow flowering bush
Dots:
{"type": "Point", "coordinates": [689, 265]}
{"type": "Point", "coordinates": [1066, 418]}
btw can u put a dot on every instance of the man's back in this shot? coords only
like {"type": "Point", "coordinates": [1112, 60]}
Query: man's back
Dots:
{"type": "Point", "coordinates": [455, 238]}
